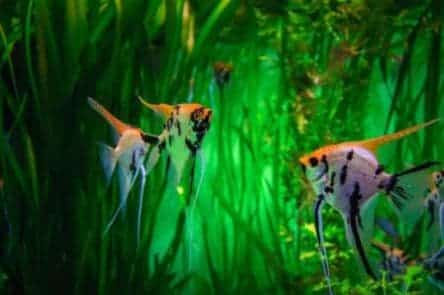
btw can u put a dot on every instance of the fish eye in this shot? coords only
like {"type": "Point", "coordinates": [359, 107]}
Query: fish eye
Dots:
{"type": "Point", "coordinates": [313, 161]}
{"type": "Point", "coordinates": [198, 115]}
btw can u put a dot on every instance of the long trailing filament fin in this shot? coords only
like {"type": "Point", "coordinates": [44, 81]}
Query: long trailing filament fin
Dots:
{"type": "Point", "coordinates": [113, 121]}
{"type": "Point", "coordinates": [374, 143]}
{"type": "Point", "coordinates": [320, 237]}
{"type": "Point", "coordinates": [163, 109]}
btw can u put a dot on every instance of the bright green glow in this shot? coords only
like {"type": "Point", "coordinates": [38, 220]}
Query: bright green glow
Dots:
{"type": "Point", "coordinates": [306, 73]}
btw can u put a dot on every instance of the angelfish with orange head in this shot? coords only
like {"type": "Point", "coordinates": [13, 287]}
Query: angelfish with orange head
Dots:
{"type": "Point", "coordinates": [184, 130]}
{"type": "Point", "coordinates": [129, 154]}
{"type": "Point", "coordinates": [346, 176]}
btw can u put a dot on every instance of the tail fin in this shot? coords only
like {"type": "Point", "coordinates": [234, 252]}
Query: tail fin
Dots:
{"type": "Point", "coordinates": [374, 143]}
{"type": "Point", "coordinates": [407, 190]}
{"type": "Point", "coordinates": [162, 109]}
{"type": "Point", "coordinates": [113, 121]}
{"type": "Point", "coordinates": [108, 159]}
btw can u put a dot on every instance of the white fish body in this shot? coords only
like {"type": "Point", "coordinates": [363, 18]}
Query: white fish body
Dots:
{"type": "Point", "coordinates": [347, 175]}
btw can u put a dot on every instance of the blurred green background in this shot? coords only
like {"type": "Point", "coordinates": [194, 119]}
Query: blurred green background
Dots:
{"type": "Point", "coordinates": [305, 73]}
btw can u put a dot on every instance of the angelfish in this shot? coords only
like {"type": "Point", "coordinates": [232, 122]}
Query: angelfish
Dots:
{"type": "Point", "coordinates": [184, 130]}
{"type": "Point", "coordinates": [129, 153]}
{"type": "Point", "coordinates": [347, 175]}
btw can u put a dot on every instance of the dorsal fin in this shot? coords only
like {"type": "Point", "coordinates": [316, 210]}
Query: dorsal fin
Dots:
{"type": "Point", "coordinates": [164, 110]}
{"type": "Point", "coordinates": [113, 121]}
{"type": "Point", "coordinates": [374, 143]}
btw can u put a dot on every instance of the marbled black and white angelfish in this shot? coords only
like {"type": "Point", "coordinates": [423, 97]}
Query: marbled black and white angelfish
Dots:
{"type": "Point", "coordinates": [347, 175]}
{"type": "Point", "coordinates": [184, 130]}
{"type": "Point", "coordinates": [128, 155]}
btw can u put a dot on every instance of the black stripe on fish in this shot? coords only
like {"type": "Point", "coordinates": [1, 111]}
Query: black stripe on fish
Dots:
{"type": "Point", "coordinates": [179, 129]}
{"type": "Point", "coordinates": [355, 197]}
{"type": "Point", "coordinates": [325, 162]}
{"type": "Point", "coordinates": [328, 189]}
{"type": "Point", "coordinates": [343, 175]}
{"type": "Point", "coordinates": [193, 147]}
{"type": "Point", "coordinates": [152, 139]}
{"type": "Point", "coordinates": [162, 145]}
{"type": "Point", "coordinates": [132, 166]}
{"type": "Point", "coordinates": [350, 155]}
{"type": "Point", "coordinates": [170, 139]}
{"type": "Point", "coordinates": [354, 217]}
{"type": "Point", "coordinates": [332, 179]}
{"type": "Point", "coordinates": [168, 164]}
{"type": "Point", "coordinates": [169, 123]}
{"type": "Point", "coordinates": [379, 170]}
{"type": "Point", "coordinates": [313, 161]}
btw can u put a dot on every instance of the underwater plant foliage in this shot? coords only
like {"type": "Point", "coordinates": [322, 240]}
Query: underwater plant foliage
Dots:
{"type": "Point", "coordinates": [282, 78]}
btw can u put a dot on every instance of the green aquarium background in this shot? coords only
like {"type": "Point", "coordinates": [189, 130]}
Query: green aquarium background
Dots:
{"type": "Point", "coordinates": [302, 74]}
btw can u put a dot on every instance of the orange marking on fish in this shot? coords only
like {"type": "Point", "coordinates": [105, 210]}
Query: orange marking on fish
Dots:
{"type": "Point", "coordinates": [166, 109]}
{"type": "Point", "coordinates": [162, 109]}
{"type": "Point", "coordinates": [113, 121]}
{"type": "Point", "coordinates": [370, 144]}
